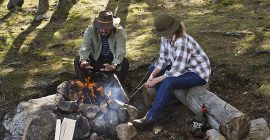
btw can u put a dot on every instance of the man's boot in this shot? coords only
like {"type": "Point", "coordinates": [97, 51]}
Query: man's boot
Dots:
{"type": "Point", "coordinates": [142, 124]}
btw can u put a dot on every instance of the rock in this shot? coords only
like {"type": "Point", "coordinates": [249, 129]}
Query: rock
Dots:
{"type": "Point", "coordinates": [68, 106]}
{"type": "Point", "coordinates": [61, 89]}
{"type": "Point", "coordinates": [69, 91]}
{"type": "Point", "coordinates": [98, 122]}
{"type": "Point", "coordinates": [213, 134]}
{"type": "Point", "coordinates": [89, 110]}
{"type": "Point", "coordinates": [126, 131]}
{"type": "Point", "coordinates": [123, 115]}
{"type": "Point", "coordinates": [42, 16]}
{"type": "Point", "coordinates": [104, 124]}
{"type": "Point", "coordinates": [103, 107]}
{"type": "Point", "coordinates": [94, 136]}
{"type": "Point", "coordinates": [112, 118]}
{"type": "Point", "coordinates": [132, 112]}
{"type": "Point", "coordinates": [115, 104]}
{"type": "Point", "coordinates": [42, 127]}
{"type": "Point", "coordinates": [15, 121]}
{"type": "Point", "coordinates": [82, 128]}
{"type": "Point", "coordinates": [39, 17]}
{"type": "Point", "coordinates": [258, 129]}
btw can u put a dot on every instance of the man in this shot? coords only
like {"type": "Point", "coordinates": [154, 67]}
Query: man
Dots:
{"type": "Point", "coordinates": [103, 48]}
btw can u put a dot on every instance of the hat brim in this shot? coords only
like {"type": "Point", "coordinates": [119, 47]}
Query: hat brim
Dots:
{"type": "Point", "coordinates": [172, 29]}
{"type": "Point", "coordinates": [99, 25]}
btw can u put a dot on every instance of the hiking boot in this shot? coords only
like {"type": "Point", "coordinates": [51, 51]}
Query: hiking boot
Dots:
{"type": "Point", "coordinates": [142, 123]}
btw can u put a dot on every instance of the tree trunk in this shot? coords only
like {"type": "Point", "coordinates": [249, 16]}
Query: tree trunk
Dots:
{"type": "Point", "coordinates": [43, 6]}
{"type": "Point", "coordinates": [235, 124]}
{"type": "Point", "coordinates": [15, 3]}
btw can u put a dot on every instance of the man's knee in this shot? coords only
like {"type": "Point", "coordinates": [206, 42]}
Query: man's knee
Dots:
{"type": "Point", "coordinates": [125, 63]}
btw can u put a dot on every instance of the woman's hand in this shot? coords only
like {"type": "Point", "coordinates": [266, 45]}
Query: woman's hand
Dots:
{"type": "Point", "coordinates": [151, 82]}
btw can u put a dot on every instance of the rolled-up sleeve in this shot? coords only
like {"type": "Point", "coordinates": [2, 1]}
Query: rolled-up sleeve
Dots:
{"type": "Point", "coordinates": [86, 49]}
{"type": "Point", "coordinates": [120, 47]}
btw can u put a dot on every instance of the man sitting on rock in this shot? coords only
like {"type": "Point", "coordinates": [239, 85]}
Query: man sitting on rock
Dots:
{"type": "Point", "coordinates": [103, 48]}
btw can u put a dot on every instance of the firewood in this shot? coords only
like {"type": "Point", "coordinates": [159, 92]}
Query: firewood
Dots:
{"type": "Point", "coordinates": [67, 129]}
{"type": "Point", "coordinates": [57, 129]}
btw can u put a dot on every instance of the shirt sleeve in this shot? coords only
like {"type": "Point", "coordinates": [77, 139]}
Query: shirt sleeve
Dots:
{"type": "Point", "coordinates": [121, 39]}
{"type": "Point", "coordinates": [163, 60]}
{"type": "Point", "coordinates": [86, 49]}
{"type": "Point", "coordinates": [180, 59]}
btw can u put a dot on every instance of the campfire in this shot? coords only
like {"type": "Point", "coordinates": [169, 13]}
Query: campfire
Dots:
{"type": "Point", "coordinates": [84, 92]}
{"type": "Point", "coordinates": [95, 109]}
{"type": "Point", "coordinates": [100, 104]}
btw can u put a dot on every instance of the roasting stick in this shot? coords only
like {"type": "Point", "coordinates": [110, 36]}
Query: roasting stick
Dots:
{"type": "Point", "coordinates": [136, 91]}
{"type": "Point", "coordinates": [139, 84]}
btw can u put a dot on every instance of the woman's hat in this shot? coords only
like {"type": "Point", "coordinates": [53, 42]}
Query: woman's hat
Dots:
{"type": "Point", "coordinates": [106, 20]}
{"type": "Point", "coordinates": [165, 24]}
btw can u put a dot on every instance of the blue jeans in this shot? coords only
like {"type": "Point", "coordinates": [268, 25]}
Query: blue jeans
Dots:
{"type": "Point", "coordinates": [164, 88]}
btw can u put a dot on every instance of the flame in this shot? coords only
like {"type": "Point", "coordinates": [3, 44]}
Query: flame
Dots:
{"type": "Point", "coordinates": [110, 93]}
{"type": "Point", "coordinates": [90, 85]}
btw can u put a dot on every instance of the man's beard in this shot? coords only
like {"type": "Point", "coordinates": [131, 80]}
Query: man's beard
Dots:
{"type": "Point", "coordinates": [104, 34]}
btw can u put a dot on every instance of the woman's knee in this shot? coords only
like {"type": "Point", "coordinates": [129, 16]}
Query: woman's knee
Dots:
{"type": "Point", "coordinates": [166, 83]}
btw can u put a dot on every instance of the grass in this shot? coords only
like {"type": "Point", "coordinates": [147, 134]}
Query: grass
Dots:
{"type": "Point", "coordinates": [49, 47]}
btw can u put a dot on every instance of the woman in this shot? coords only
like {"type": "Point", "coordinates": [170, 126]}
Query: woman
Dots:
{"type": "Point", "coordinates": [182, 64]}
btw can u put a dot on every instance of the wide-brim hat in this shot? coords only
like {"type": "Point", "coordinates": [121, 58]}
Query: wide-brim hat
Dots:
{"type": "Point", "coordinates": [106, 20]}
{"type": "Point", "coordinates": [165, 25]}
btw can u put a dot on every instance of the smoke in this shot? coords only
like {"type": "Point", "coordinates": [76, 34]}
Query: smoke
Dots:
{"type": "Point", "coordinates": [113, 85]}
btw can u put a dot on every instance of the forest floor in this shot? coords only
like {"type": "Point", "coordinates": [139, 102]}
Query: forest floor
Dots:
{"type": "Point", "coordinates": [36, 56]}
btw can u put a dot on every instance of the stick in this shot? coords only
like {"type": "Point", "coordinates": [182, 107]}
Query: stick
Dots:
{"type": "Point", "coordinates": [136, 91]}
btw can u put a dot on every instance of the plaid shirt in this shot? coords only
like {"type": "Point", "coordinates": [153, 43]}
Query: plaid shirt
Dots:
{"type": "Point", "coordinates": [185, 55]}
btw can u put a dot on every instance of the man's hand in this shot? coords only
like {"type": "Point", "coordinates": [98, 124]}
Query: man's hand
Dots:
{"type": "Point", "coordinates": [108, 67]}
{"type": "Point", "coordinates": [85, 64]}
